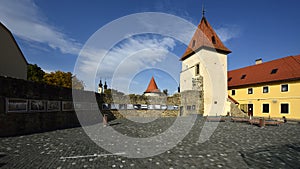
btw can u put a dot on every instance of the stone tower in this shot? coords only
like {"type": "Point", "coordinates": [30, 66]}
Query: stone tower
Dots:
{"type": "Point", "coordinates": [195, 81]}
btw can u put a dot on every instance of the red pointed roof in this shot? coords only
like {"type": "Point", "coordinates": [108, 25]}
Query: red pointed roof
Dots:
{"type": "Point", "coordinates": [205, 36]}
{"type": "Point", "coordinates": [152, 87]}
{"type": "Point", "coordinates": [287, 68]}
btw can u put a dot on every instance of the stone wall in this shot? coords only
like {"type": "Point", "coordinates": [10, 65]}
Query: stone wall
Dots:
{"type": "Point", "coordinates": [26, 122]}
{"type": "Point", "coordinates": [236, 112]}
{"type": "Point", "coordinates": [191, 102]}
{"type": "Point", "coordinates": [19, 123]}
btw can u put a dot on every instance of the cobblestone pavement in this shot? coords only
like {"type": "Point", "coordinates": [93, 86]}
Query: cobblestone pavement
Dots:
{"type": "Point", "coordinates": [232, 145]}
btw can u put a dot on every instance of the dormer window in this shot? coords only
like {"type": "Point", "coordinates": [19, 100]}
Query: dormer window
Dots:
{"type": "Point", "coordinates": [213, 39]}
{"type": "Point", "coordinates": [229, 79]}
{"type": "Point", "coordinates": [194, 42]}
{"type": "Point", "coordinates": [274, 71]}
{"type": "Point", "coordinates": [243, 77]}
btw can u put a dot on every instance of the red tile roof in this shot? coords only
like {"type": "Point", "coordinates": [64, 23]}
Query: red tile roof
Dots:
{"type": "Point", "coordinates": [205, 36]}
{"type": "Point", "coordinates": [152, 87]}
{"type": "Point", "coordinates": [288, 68]}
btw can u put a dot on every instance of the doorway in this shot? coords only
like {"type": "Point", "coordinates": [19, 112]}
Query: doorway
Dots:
{"type": "Point", "coordinates": [250, 110]}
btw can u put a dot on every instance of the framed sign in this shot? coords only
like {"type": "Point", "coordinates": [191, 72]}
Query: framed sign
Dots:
{"type": "Point", "coordinates": [129, 106]}
{"type": "Point", "coordinates": [53, 106]}
{"type": "Point", "coordinates": [122, 106]}
{"type": "Point", "coordinates": [114, 106]}
{"type": "Point", "coordinates": [163, 107]}
{"type": "Point", "coordinates": [16, 105]}
{"type": "Point", "coordinates": [151, 107]}
{"type": "Point", "coordinates": [37, 105]}
{"type": "Point", "coordinates": [67, 106]}
{"type": "Point", "coordinates": [157, 107]}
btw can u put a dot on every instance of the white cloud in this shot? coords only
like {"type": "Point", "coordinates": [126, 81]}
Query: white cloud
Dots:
{"type": "Point", "coordinates": [27, 22]}
{"type": "Point", "coordinates": [228, 32]}
{"type": "Point", "coordinates": [48, 70]}
{"type": "Point", "coordinates": [127, 59]}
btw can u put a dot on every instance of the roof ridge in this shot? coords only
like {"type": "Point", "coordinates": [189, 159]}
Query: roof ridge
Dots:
{"type": "Point", "coordinates": [262, 63]}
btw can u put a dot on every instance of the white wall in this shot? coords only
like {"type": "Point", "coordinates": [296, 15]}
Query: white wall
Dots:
{"type": "Point", "coordinates": [205, 58]}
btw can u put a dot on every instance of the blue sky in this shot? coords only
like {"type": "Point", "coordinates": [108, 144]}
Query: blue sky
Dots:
{"type": "Point", "coordinates": [52, 33]}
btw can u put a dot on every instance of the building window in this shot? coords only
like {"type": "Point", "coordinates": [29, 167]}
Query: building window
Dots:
{"type": "Point", "coordinates": [265, 89]}
{"type": "Point", "coordinates": [232, 92]}
{"type": "Point", "coordinates": [197, 69]}
{"type": "Point", "coordinates": [284, 108]}
{"type": "Point", "coordinates": [243, 77]}
{"type": "Point", "coordinates": [250, 90]}
{"type": "Point", "coordinates": [188, 107]}
{"type": "Point", "coordinates": [194, 42]}
{"type": "Point", "coordinates": [213, 39]}
{"type": "Point", "coordinates": [284, 88]}
{"type": "Point", "coordinates": [266, 108]}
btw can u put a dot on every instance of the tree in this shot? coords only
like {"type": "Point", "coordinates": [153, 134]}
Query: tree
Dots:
{"type": "Point", "coordinates": [63, 79]}
{"type": "Point", "coordinates": [35, 73]}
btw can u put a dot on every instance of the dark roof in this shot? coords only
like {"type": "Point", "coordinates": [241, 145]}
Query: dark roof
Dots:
{"type": "Point", "coordinates": [14, 40]}
{"type": "Point", "coordinates": [152, 87]}
{"type": "Point", "coordinates": [287, 68]}
{"type": "Point", "coordinates": [204, 37]}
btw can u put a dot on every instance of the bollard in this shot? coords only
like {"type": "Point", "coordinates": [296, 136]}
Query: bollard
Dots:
{"type": "Point", "coordinates": [104, 120]}
{"type": "Point", "coordinates": [261, 122]}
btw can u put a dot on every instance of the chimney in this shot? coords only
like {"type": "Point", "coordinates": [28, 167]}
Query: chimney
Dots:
{"type": "Point", "coordinates": [258, 61]}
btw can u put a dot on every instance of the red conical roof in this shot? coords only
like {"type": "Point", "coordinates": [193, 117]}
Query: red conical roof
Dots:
{"type": "Point", "coordinates": [152, 87]}
{"type": "Point", "coordinates": [205, 36]}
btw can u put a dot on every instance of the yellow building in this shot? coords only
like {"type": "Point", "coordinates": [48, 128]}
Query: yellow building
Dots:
{"type": "Point", "coordinates": [270, 89]}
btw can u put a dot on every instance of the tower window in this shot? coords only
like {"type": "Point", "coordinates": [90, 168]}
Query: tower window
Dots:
{"type": "Point", "coordinates": [213, 39]}
{"type": "Point", "coordinates": [274, 71]}
{"type": "Point", "coordinates": [197, 69]}
{"type": "Point", "coordinates": [243, 76]}
{"type": "Point", "coordinates": [194, 42]}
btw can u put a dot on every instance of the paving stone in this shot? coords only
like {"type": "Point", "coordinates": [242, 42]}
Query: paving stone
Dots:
{"type": "Point", "coordinates": [232, 145]}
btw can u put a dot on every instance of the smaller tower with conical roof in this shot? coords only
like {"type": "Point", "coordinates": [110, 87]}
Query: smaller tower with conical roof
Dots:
{"type": "Point", "coordinates": [152, 89]}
